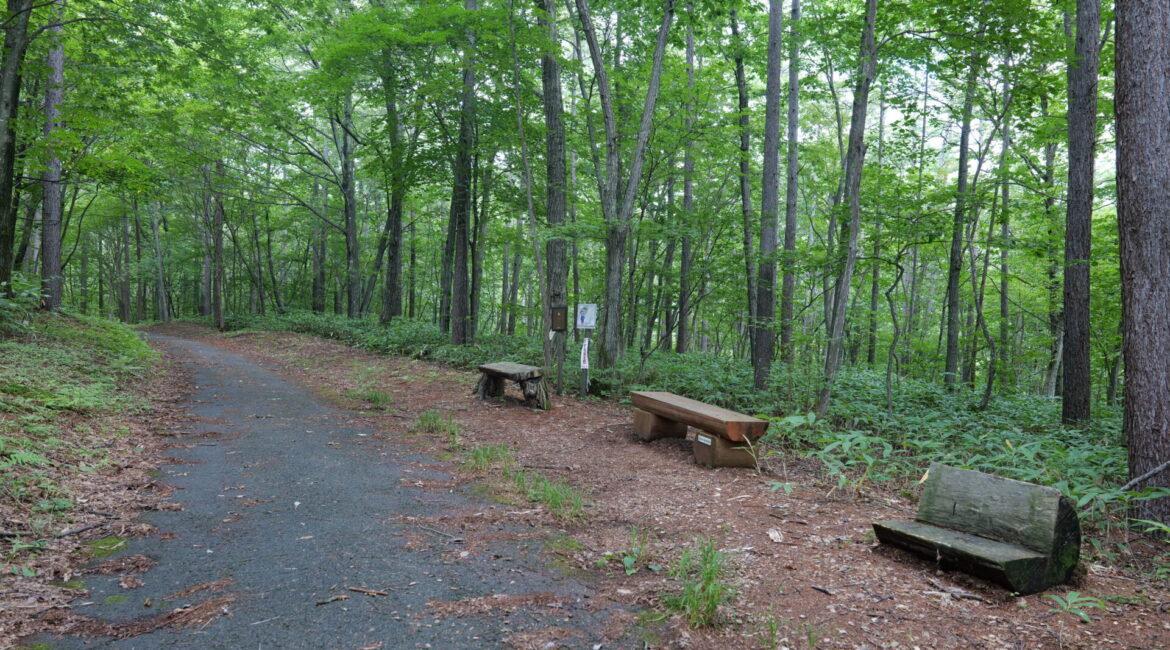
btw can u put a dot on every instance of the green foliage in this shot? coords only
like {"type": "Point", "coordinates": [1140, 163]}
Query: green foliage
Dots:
{"type": "Point", "coordinates": [60, 365]}
{"type": "Point", "coordinates": [636, 556]}
{"type": "Point", "coordinates": [1075, 604]}
{"type": "Point", "coordinates": [701, 571]}
{"type": "Point", "coordinates": [16, 310]}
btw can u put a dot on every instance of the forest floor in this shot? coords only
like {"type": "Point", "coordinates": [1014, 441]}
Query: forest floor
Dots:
{"type": "Point", "coordinates": [803, 565]}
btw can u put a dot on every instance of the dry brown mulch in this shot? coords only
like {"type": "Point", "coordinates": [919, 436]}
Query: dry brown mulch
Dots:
{"type": "Point", "coordinates": [804, 565]}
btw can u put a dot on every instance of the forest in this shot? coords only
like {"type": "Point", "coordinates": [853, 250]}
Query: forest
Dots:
{"type": "Point", "coordinates": [850, 210]}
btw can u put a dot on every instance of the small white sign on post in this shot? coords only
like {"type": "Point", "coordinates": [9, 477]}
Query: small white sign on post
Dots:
{"type": "Point", "coordinates": [587, 316]}
{"type": "Point", "coordinates": [585, 354]}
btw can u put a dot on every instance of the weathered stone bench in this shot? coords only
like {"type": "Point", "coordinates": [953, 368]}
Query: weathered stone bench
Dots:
{"type": "Point", "coordinates": [531, 380]}
{"type": "Point", "coordinates": [1025, 537]}
{"type": "Point", "coordinates": [726, 437]}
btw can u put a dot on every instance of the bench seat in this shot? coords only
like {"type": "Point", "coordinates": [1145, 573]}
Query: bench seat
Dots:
{"type": "Point", "coordinates": [722, 422]}
{"type": "Point", "coordinates": [999, 562]}
{"type": "Point", "coordinates": [1023, 536]}
{"type": "Point", "coordinates": [531, 380]}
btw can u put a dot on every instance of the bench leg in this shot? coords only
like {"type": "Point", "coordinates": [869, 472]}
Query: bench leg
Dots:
{"type": "Point", "coordinates": [650, 427]}
{"type": "Point", "coordinates": [713, 451]}
{"type": "Point", "coordinates": [489, 387]}
{"type": "Point", "coordinates": [536, 393]}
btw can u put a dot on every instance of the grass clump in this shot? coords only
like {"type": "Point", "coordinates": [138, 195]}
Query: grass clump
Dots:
{"type": "Point", "coordinates": [487, 457]}
{"type": "Point", "coordinates": [563, 500]}
{"type": "Point", "coordinates": [700, 571]}
{"type": "Point", "coordinates": [378, 399]}
{"type": "Point", "coordinates": [437, 423]}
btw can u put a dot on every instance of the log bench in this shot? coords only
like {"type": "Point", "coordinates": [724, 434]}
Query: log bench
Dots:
{"type": "Point", "coordinates": [726, 437]}
{"type": "Point", "coordinates": [1023, 536]}
{"type": "Point", "coordinates": [530, 378]}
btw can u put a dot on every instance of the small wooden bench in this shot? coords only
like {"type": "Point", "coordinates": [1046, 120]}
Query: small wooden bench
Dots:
{"type": "Point", "coordinates": [727, 434]}
{"type": "Point", "coordinates": [530, 378]}
{"type": "Point", "coordinates": [1023, 536]}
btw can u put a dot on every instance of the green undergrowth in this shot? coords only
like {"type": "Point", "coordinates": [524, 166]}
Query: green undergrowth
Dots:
{"type": "Point", "coordinates": [63, 381]}
{"type": "Point", "coordinates": [703, 589]}
{"type": "Point", "coordinates": [873, 434]}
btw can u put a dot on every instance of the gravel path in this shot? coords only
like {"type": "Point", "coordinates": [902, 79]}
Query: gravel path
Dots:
{"type": "Point", "coordinates": [290, 504]}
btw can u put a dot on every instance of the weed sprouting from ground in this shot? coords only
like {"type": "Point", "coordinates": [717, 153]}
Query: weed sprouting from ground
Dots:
{"type": "Point", "coordinates": [438, 423]}
{"type": "Point", "coordinates": [562, 499]}
{"type": "Point", "coordinates": [700, 571]}
{"type": "Point", "coordinates": [481, 459]}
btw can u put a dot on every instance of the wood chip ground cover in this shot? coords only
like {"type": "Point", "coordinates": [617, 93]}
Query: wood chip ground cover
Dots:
{"type": "Point", "coordinates": [804, 565]}
{"type": "Point", "coordinates": [824, 580]}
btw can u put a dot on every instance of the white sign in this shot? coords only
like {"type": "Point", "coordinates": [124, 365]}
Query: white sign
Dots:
{"type": "Point", "coordinates": [585, 354]}
{"type": "Point", "coordinates": [587, 316]}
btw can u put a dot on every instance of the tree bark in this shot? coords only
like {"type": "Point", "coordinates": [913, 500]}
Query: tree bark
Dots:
{"type": "Point", "coordinates": [745, 184]}
{"type": "Point", "coordinates": [1143, 188]}
{"type": "Point", "coordinates": [764, 325]}
{"type": "Point", "coordinates": [867, 68]}
{"type": "Point", "coordinates": [1082, 141]}
{"type": "Point", "coordinates": [51, 280]}
{"type": "Point", "coordinates": [854, 158]}
{"type": "Point", "coordinates": [461, 195]}
{"type": "Point", "coordinates": [687, 258]}
{"type": "Point", "coordinates": [16, 40]}
{"type": "Point", "coordinates": [554, 346]}
{"type": "Point", "coordinates": [958, 227]}
{"type": "Point", "coordinates": [617, 216]}
{"type": "Point", "coordinates": [788, 282]}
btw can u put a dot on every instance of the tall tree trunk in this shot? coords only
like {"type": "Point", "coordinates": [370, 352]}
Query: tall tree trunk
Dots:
{"type": "Point", "coordinates": [554, 345]}
{"type": "Point", "coordinates": [16, 40]}
{"type": "Point", "coordinates": [217, 271]}
{"type": "Point", "coordinates": [123, 270]}
{"type": "Point", "coordinates": [867, 68]}
{"type": "Point", "coordinates": [353, 277]}
{"type": "Point", "coordinates": [51, 280]}
{"type": "Point", "coordinates": [1143, 188]}
{"type": "Point", "coordinates": [764, 325]}
{"type": "Point", "coordinates": [745, 184]}
{"type": "Point", "coordinates": [617, 216]}
{"type": "Point", "coordinates": [320, 252]}
{"type": "Point", "coordinates": [788, 282]}
{"type": "Point", "coordinates": [958, 227]}
{"type": "Point", "coordinates": [1082, 140]}
{"type": "Point", "coordinates": [461, 195]}
{"type": "Point", "coordinates": [687, 258]}
{"type": "Point", "coordinates": [161, 303]}
{"type": "Point", "coordinates": [1055, 319]}
{"type": "Point", "coordinates": [392, 287]}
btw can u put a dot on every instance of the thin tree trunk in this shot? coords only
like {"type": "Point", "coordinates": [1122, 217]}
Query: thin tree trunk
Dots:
{"type": "Point", "coordinates": [867, 68]}
{"type": "Point", "coordinates": [958, 227]}
{"type": "Point", "coordinates": [687, 258]}
{"type": "Point", "coordinates": [745, 184]}
{"type": "Point", "coordinates": [51, 280]}
{"type": "Point", "coordinates": [788, 282]}
{"type": "Point", "coordinates": [617, 216]}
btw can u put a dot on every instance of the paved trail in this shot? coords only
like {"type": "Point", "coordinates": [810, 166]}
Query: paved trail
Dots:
{"type": "Point", "coordinates": [295, 504]}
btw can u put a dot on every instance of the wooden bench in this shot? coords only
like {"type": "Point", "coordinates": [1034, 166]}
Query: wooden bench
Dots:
{"type": "Point", "coordinates": [1025, 537]}
{"type": "Point", "coordinates": [530, 378]}
{"type": "Point", "coordinates": [727, 436]}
